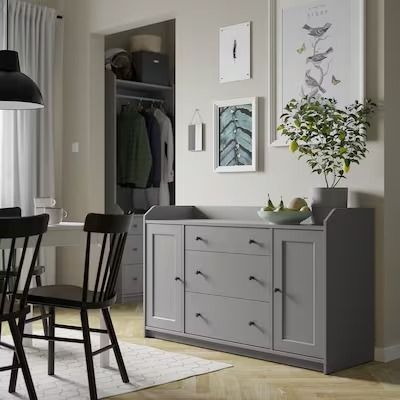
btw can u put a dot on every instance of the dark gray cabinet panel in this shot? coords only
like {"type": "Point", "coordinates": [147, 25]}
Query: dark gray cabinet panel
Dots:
{"type": "Point", "coordinates": [164, 277]}
{"type": "Point", "coordinates": [298, 297]}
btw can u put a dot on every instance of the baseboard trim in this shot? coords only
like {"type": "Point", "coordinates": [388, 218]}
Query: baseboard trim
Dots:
{"type": "Point", "coordinates": [387, 354]}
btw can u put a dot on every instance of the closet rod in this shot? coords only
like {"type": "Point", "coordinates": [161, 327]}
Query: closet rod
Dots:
{"type": "Point", "coordinates": [124, 96]}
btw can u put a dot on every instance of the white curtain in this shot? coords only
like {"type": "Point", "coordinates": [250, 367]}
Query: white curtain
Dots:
{"type": "Point", "coordinates": [27, 167]}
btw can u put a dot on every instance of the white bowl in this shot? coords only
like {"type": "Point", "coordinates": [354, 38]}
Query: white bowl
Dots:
{"type": "Point", "coordinates": [285, 217]}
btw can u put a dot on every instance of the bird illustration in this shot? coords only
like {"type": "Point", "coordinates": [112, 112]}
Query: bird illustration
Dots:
{"type": "Point", "coordinates": [335, 81]}
{"type": "Point", "coordinates": [317, 58]}
{"type": "Point", "coordinates": [318, 31]}
{"type": "Point", "coordinates": [312, 82]}
{"type": "Point", "coordinates": [301, 49]}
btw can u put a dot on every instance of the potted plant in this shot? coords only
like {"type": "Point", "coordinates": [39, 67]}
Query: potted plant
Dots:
{"type": "Point", "coordinates": [330, 139]}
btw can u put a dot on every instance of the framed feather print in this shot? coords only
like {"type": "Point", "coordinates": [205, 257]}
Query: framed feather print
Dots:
{"type": "Point", "coordinates": [317, 49]}
{"type": "Point", "coordinates": [235, 135]}
{"type": "Point", "coordinates": [235, 53]}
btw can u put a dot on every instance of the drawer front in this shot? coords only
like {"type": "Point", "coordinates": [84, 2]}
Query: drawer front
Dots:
{"type": "Point", "coordinates": [229, 240]}
{"type": "Point", "coordinates": [234, 320]}
{"type": "Point", "coordinates": [137, 225]}
{"type": "Point", "coordinates": [133, 253]}
{"type": "Point", "coordinates": [132, 279]}
{"type": "Point", "coordinates": [232, 275]}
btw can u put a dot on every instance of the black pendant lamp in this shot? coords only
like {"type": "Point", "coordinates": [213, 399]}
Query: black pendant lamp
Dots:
{"type": "Point", "coordinates": [17, 90]}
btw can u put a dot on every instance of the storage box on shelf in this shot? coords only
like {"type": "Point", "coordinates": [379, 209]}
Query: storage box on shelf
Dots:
{"type": "Point", "coordinates": [298, 294]}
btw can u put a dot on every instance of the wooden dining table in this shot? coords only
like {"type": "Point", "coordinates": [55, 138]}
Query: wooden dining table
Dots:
{"type": "Point", "coordinates": [65, 234]}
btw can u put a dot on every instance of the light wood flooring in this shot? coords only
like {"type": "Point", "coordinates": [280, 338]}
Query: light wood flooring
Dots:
{"type": "Point", "coordinates": [251, 379]}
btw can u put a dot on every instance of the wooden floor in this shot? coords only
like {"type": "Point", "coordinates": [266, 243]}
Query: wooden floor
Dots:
{"type": "Point", "coordinates": [251, 379]}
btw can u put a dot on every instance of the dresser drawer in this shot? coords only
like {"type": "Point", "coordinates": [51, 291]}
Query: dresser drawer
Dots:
{"type": "Point", "coordinates": [232, 275]}
{"type": "Point", "coordinates": [137, 225]}
{"type": "Point", "coordinates": [229, 240]}
{"type": "Point", "coordinates": [226, 318]}
{"type": "Point", "coordinates": [133, 253]}
{"type": "Point", "coordinates": [132, 279]}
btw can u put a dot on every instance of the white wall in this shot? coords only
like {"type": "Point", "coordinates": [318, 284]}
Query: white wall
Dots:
{"type": "Point", "coordinates": [197, 26]}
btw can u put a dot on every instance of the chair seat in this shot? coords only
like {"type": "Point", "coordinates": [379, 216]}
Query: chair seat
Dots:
{"type": "Point", "coordinates": [66, 296]}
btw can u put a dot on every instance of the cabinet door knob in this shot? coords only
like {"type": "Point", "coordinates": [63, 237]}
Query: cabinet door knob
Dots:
{"type": "Point", "coordinates": [252, 323]}
{"type": "Point", "coordinates": [198, 315]}
{"type": "Point", "coordinates": [134, 226]}
{"type": "Point", "coordinates": [135, 279]}
{"type": "Point", "coordinates": [199, 272]}
{"type": "Point", "coordinates": [198, 238]}
{"type": "Point", "coordinates": [134, 249]}
{"type": "Point", "coordinates": [252, 278]}
{"type": "Point", "coordinates": [252, 241]}
{"type": "Point", "coordinates": [178, 279]}
{"type": "Point", "coordinates": [277, 290]}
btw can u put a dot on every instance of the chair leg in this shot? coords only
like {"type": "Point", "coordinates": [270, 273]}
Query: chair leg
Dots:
{"type": "Point", "coordinates": [114, 342]}
{"type": "Point", "coordinates": [19, 350]}
{"type": "Point", "coordinates": [88, 355]}
{"type": "Point", "coordinates": [42, 308]}
{"type": "Point", "coordinates": [51, 330]}
{"type": "Point", "coordinates": [14, 373]}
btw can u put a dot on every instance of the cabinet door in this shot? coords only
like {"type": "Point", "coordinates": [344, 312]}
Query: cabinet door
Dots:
{"type": "Point", "coordinates": [164, 277]}
{"type": "Point", "coordinates": [298, 292]}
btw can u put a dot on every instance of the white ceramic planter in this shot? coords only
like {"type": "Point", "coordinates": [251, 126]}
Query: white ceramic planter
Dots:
{"type": "Point", "coordinates": [324, 200]}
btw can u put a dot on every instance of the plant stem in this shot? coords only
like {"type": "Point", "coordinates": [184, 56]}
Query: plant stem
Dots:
{"type": "Point", "coordinates": [326, 180]}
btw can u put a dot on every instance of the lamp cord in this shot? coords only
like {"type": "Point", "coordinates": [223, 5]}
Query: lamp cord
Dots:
{"type": "Point", "coordinates": [7, 27]}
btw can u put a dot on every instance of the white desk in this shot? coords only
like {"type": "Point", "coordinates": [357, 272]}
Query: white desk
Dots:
{"type": "Point", "coordinates": [69, 234]}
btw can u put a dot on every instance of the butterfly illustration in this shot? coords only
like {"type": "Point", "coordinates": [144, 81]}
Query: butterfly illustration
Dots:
{"type": "Point", "coordinates": [335, 81]}
{"type": "Point", "coordinates": [302, 49]}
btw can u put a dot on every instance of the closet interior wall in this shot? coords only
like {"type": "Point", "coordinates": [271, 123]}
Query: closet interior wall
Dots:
{"type": "Point", "coordinates": [126, 100]}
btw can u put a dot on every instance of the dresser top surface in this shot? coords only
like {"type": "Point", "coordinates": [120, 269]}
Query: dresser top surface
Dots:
{"type": "Point", "coordinates": [233, 223]}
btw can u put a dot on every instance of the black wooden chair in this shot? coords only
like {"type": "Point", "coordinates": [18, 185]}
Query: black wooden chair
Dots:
{"type": "Point", "coordinates": [19, 232]}
{"type": "Point", "coordinates": [114, 230]}
{"type": "Point", "coordinates": [15, 212]}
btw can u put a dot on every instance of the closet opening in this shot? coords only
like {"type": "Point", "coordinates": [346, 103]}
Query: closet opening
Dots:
{"type": "Point", "coordinates": [140, 118]}
{"type": "Point", "coordinates": [139, 135]}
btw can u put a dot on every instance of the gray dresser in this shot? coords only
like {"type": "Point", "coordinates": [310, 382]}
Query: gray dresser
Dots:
{"type": "Point", "coordinates": [130, 282]}
{"type": "Point", "coordinates": [219, 277]}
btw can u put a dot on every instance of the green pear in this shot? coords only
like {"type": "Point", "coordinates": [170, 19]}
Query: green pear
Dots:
{"type": "Point", "coordinates": [270, 204]}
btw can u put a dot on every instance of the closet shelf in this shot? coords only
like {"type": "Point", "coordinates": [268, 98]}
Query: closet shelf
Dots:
{"type": "Point", "coordinates": [132, 85]}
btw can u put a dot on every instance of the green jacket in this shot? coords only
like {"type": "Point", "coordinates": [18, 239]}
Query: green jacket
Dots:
{"type": "Point", "coordinates": [134, 152]}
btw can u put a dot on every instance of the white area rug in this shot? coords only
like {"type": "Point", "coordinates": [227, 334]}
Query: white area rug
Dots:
{"type": "Point", "coordinates": [146, 367]}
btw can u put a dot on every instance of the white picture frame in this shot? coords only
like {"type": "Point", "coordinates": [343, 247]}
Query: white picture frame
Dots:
{"type": "Point", "coordinates": [235, 153]}
{"type": "Point", "coordinates": [235, 53]}
{"type": "Point", "coordinates": [291, 52]}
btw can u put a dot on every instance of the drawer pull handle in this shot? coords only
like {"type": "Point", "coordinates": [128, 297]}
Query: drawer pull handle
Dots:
{"type": "Point", "coordinates": [198, 238]}
{"type": "Point", "coordinates": [252, 278]}
{"type": "Point", "coordinates": [198, 315]}
{"type": "Point", "coordinates": [135, 279]}
{"type": "Point", "coordinates": [252, 323]}
{"type": "Point", "coordinates": [178, 279]}
{"type": "Point", "coordinates": [277, 290]}
{"type": "Point", "coordinates": [135, 226]}
{"type": "Point", "coordinates": [134, 249]}
{"type": "Point", "coordinates": [252, 241]}
{"type": "Point", "coordinates": [199, 273]}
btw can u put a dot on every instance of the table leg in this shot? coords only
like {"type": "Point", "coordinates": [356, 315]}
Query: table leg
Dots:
{"type": "Point", "coordinates": [28, 328]}
{"type": "Point", "coordinates": [104, 341]}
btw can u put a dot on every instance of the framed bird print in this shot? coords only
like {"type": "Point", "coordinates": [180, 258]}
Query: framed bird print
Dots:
{"type": "Point", "coordinates": [235, 53]}
{"type": "Point", "coordinates": [235, 135]}
{"type": "Point", "coordinates": [317, 49]}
